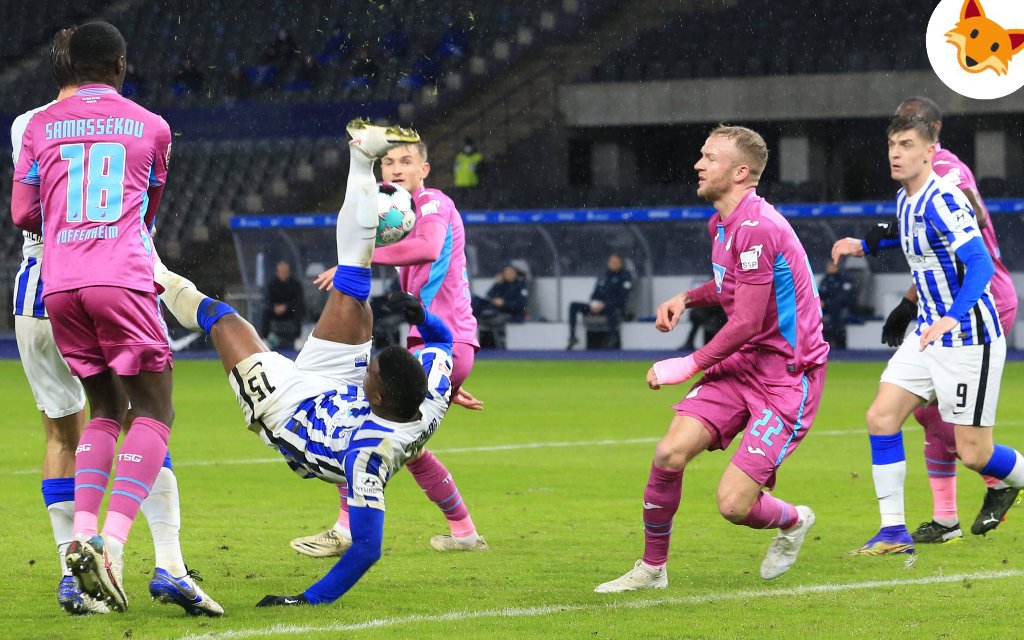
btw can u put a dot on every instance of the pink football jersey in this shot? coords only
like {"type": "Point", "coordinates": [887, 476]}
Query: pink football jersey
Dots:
{"type": "Point", "coordinates": [94, 156]}
{"type": "Point", "coordinates": [443, 285]}
{"type": "Point", "coordinates": [756, 245]}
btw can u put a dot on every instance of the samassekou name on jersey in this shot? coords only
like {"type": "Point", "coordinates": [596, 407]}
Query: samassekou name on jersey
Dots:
{"type": "Point", "coordinates": [94, 127]}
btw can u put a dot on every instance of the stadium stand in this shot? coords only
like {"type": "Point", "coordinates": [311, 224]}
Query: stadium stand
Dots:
{"type": "Point", "coordinates": [847, 37]}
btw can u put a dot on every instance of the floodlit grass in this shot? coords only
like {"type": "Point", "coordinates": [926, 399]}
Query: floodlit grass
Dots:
{"type": "Point", "coordinates": [559, 519]}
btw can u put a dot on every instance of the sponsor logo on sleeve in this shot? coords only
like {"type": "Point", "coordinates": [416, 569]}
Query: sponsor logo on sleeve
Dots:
{"type": "Point", "coordinates": [429, 208]}
{"type": "Point", "coordinates": [749, 258]}
{"type": "Point", "coordinates": [368, 484]}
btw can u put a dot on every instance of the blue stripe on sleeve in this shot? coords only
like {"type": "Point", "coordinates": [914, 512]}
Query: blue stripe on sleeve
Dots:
{"type": "Point", "coordinates": [438, 271]}
{"type": "Point", "coordinates": [785, 299]}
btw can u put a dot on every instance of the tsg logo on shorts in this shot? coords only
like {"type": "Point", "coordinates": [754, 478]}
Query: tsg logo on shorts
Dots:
{"type": "Point", "coordinates": [973, 46]}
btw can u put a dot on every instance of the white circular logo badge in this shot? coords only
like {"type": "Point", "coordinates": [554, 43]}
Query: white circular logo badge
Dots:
{"type": "Point", "coordinates": [976, 47]}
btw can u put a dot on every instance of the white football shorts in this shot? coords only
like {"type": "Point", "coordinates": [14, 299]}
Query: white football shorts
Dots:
{"type": "Point", "coordinates": [964, 380]}
{"type": "Point", "coordinates": [58, 393]}
{"type": "Point", "coordinates": [269, 387]}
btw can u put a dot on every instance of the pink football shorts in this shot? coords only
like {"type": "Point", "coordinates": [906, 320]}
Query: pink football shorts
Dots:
{"type": "Point", "coordinates": [774, 418]}
{"type": "Point", "coordinates": [100, 328]}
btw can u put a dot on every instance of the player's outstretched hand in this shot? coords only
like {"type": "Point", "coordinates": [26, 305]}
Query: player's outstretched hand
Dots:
{"type": "Point", "coordinates": [944, 325]}
{"type": "Point", "coordinates": [895, 327]}
{"type": "Point", "coordinates": [282, 601]}
{"type": "Point", "coordinates": [408, 305]}
{"type": "Point", "coordinates": [669, 313]}
{"type": "Point", "coordinates": [325, 281]}
{"type": "Point", "coordinates": [847, 247]}
{"type": "Point", "coordinates": [465, 399]}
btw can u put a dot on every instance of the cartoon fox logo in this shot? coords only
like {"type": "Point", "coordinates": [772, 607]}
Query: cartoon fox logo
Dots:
{"type": "Point", "coordinates": [981, 43]}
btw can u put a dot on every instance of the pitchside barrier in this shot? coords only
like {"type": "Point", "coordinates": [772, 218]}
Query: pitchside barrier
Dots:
{"type": "Point", "coordinates": [562, 251]}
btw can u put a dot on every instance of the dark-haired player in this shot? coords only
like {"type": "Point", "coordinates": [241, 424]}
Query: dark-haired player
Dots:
{"type": "Point", "coordinates": [940, 444]}
{"type": "Point", "coordinates": [432, 266]}
{"type": "Point", "coordinates": [335, 413]}
{"type": "Point", "coordinates": [96, 162]}
{"type": "Point", "coordinates": [958, 354]}
{"type": "Point", "coordinates": [61, 399]}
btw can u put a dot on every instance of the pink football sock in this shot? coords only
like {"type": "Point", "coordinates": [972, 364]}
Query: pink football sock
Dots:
{"type": "Point", "coordinates": [342, 522]}
{"type": "Point", "coordinates": [940, 461]}
{"type": "Point", "coordinates": [769, 513]}
{"type": "Point", "coordinates": [437, 483]}
{"type": "Point", "coordinates": [93, 459]}
{"type": "Point", "coordinates": [138, 464]}
{"type": "Point", "coordinates": [661, 500]}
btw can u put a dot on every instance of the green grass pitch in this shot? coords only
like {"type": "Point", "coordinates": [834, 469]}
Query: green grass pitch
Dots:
{"type": "Point", "coordinates": [561, 517]}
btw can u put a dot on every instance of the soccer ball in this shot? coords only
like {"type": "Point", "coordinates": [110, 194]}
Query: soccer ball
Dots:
{"type": "Point", "coordinates": [397, 213]}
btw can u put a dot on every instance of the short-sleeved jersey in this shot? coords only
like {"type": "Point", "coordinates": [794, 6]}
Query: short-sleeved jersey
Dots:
{"type": "Point", "coordinates": [94, 156]}
{"type": "Point", "coordinates": [336, 437]}
{"type": "Point", "coordinates": [934, 223]}
{"type": "Point", "coordinates": [948, 166]}
{"type": "Point", "coordinates": [443, 285]}
{"type": "Point", "coordinates": [756, 245]}
{"type": "Point", "coordinates": [28, 284]}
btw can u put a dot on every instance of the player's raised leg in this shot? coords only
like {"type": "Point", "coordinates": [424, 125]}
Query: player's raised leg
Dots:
{"type": "Point", "coordinates": [885, 418]}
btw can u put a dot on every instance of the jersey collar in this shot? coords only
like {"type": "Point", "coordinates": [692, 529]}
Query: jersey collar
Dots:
{"type": "Point", "coordinates": [95, 90]}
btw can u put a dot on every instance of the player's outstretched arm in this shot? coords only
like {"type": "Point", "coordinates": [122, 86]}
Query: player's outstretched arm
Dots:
{"type": "Point", "coordinates": [423, 246]}
{"type": "Point", "coordinates": [367, 526]}
{"type": "Point", "coordinates": [751, 304]}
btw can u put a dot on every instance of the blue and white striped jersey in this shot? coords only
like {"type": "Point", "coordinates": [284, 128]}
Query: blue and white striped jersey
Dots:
{"type": "Point", "coordinates": [934, 223]}
{"type": "Point", "coordinates": [28, 285]}
{"type": "Point", "coordinates": [335, 436]}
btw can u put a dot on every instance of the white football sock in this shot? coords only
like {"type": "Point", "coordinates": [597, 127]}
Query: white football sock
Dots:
{"type": "Point", "coordinates": [889, 480]}
{"type": "Point", "coordinates": [163, 513]}
{"type": "Point", "coordinates": [181, 297]}
{"type": "Point", "coordinates": [62, 520]}
{"type": "Point", "coordinates": [1016, 477]}
{"type": "Point", "coordinates": [357, 220]}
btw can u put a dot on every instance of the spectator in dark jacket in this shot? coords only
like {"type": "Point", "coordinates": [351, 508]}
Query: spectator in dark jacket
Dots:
{"type": "Point", "coordinates": [508, 296]}
{"type": "Point", "coordinates": [285, 307]}
{"type": "Point", "coordinates": [838, 294]}
{"type": "Point", "coordinates": [608, 299]}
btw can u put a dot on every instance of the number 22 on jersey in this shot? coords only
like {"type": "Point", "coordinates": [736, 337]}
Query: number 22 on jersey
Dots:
{"type": "Point", "coordinates": [100, 194]}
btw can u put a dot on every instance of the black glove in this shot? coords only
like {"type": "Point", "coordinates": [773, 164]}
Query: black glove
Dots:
{"type": "Point", "coordinates": [879, 232]}
{"type": "Point", "coordinates": [408, 305]}
{"type": "Point", "coordinates": [895, 327]}
{"type": "Point", "coordinates": [282, 601]}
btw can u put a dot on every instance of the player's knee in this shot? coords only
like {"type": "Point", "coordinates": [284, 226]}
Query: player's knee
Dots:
{"type": "Point", "coordinates": [667, 456]}
{"type": "Point", "coordinates": [733, 508]}
{"type": "Point", "coordinates": [974, 458]}
{"type": "Point", "coordinates": [881, 421]}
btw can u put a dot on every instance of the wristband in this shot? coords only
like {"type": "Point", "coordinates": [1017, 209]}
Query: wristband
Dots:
{"type": "Point", "coordinates": [676, 370]}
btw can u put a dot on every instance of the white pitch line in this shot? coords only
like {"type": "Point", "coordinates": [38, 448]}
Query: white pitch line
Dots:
{"type": "Point", "coordinates": [532, 612]}
{"type": "Point", "coordinates": [457, 450]}
{"type": "Point", "coordinates": [486, 449]}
